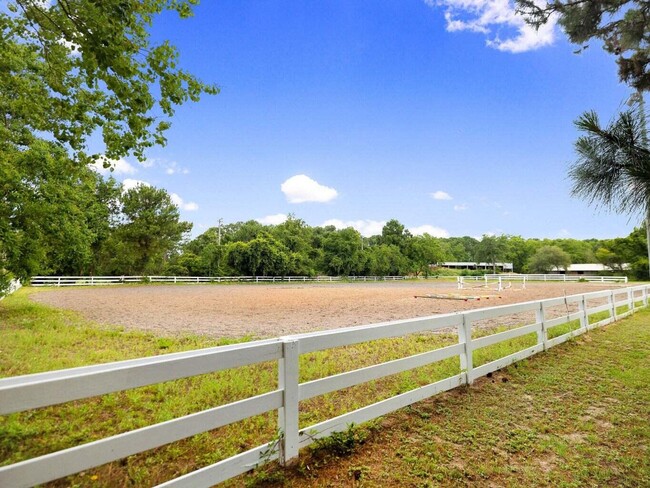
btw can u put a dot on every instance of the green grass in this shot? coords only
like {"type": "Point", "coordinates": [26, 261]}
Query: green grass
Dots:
{"type": "Point", "coordinates": [574, 416]}
{"type": "Point", "coordinates": [37, 338]}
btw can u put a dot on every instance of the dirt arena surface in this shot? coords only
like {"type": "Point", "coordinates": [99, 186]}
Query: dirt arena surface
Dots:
{"type": "Point", "coordinates": [273, 310]}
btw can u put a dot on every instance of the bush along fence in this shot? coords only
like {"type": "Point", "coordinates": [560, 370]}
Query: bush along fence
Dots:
{"type": "Point", "coordinates": [544, 323]}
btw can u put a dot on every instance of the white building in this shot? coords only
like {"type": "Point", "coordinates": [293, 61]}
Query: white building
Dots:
{"type": "Point", "coordinates": [503, 267]}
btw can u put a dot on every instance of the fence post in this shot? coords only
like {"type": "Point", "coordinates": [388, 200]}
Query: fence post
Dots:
{"type": "Point", "coordinates": [630, 300]}
{"type": "Point", "coordinates": [466, 359]}
{"type": "Point", "coordinates": [584, 317]}
{"type": "Point", "coordinates": [612, 306]}
{"type": "Point", "coordinates": [540, 316]}
{"type": "Point", "coordinates": [288, 414]}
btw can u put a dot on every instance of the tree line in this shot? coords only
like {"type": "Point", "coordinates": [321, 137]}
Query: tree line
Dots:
{"type": "Point", "coordinates": [62, 218]}
{"type": "Point", "coordinates": [295, 248]}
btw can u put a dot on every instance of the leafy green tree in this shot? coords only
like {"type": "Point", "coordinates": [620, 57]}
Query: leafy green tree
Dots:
{"type": "Point", "coordinates": [342, 255]}
{"type": "Point", "coordinates": [518, 251]}
{"type": "Point", "coordinates": [243, 231]}
{"type": "Point", "coordinates": [626, 253]}
{"type": "Point", "coordinates": [149, 231]}
{"type": "Point", "coordinates": [579, 251]}
{"type": "Point", "coordinates": [263, 256]}
{"type": "Point", "coordinates": [296, 236]}
{"type": "Point", "coordinates": [610, 259]}
{"type": "Point", "coordinates": [54, 213]}
{"type": "Point", "coordinates": [394, 233]}
{"type": "Point", "coordinates": [549, 258]}
{"type": "Point", "coordinates": [623, 26]}
{"type": "Point", "coordinates": [385, 260]}
{"type": "Point", "coordinates": [492, 250]}
{"type": "Point", "coordinates": [424, 251]}
{"type": "Point", "coordinates": [462, 248]}
{"type": "Point", "coordinates": [72, 67]}
{"type": "Point", "coordinates": [613, 165]}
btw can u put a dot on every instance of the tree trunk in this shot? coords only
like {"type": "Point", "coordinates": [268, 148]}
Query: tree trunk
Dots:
{"type": "Point", "coordinates": [647, 232]}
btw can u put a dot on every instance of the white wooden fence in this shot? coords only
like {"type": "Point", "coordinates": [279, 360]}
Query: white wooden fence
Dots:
{"type": "Point", "coordinates": [55, 387]}
{"type": "Point", "coordinates": [497, 280]}
{"type": "Point", "coordinates": [120, 280]}
{"type": "Point", "coordinates": [13, 286]}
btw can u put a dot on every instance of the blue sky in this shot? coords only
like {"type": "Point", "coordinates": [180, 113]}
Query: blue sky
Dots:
{"type": "Point", "coordinates": [450, 116]}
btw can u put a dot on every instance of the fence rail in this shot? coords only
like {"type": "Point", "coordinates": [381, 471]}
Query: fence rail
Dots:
{"type": "Point", "coordinates": [498, 280]}
{"type": "Point", "coordinates": [56, 387]}
{"type": "Point", "coordinates": [14, 285]}
{"type": "Point", "coordinates": [120, 280]}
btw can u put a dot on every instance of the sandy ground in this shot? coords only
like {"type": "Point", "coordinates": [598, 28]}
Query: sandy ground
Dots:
{"type": "Point", "coordinates": [275, 310]}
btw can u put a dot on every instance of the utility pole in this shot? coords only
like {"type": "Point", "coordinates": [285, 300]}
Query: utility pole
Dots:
{"type": "Point", "coordinates": [219, 238]}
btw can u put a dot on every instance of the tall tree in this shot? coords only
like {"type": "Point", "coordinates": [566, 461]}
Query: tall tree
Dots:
{"type": "Point", "coordinates": [491, 249]}
{"type": "Point", "coordinates": [54, 213]}
{"type": "Point", "coordinates": [549, 258]}
{"type": "Point", "coordinates": [70, 67]}
{"type": "Point", "coordinates": [150, 229]}
{"type": "Point", "coordinates": [613, 165]}
{"type": "Point", "coordinates": [394, 233]}
{"type": "Point", "coordinates": [623, 26]}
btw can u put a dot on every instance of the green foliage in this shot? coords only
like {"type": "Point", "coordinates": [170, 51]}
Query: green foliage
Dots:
{"type": "Point", "coordinates": [263, 256]}
{"type": "Point", "coordinates": [492, 249]}
{"type": "Point", "coordinates": [621, 25]}
{"type": "Point", "coordinates": [613, 165]}
{"type": "Point", "coordinates": [394, 234]}
{"type": "Point", "coordinates": [71, 68]}
{"type": "Point", "coordinates": [549, 258]}
{"type": "Point", "coordinates": [148, 231]}
{"type": "Point", "coordinates": [54, 213]}
{"type": "Point", "coordinates": [341, 443]}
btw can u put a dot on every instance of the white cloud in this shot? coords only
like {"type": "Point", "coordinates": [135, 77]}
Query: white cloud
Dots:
{"type": "Point", "coordinates": [461, 208]}
{"type": "Point", "coordinates": [120, 166]}
{"type": "Point", "coordinates": [494, 19]}
{"type": "Point", "coordinates": [147, 163]}
{"type": "Point", "coordinates": [129, 184]}
{"type": "Point", "coordinates": [429, 229]}
{"type": "Point", "coordinates": [276, 219]}
{"type": "Point", "coordinates": [178, 201]}
{"type": "Point", "coordinates": [172, 168]}
{"type": "Point", "coordinates": [563, 234]}
{"type": "Point", "coordinates": [301, 189]}
{"type": "Point", "coordinates": [441, 195]}
{"type": "Point", "coordinates": [366, 227]}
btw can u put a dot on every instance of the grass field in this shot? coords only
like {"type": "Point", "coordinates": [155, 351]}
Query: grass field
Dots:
{"type": "Point", "coordinates": [576, 415]}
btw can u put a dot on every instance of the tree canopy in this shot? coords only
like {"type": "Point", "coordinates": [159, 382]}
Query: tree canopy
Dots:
{"type": "Point", "coordinates": [623, 26]}
{"type": "Point", "coordinates": [549, 258]}
{"type": "Point", "coordinates": [72, 70]}
{"type": "Point", "coordinates": [71, 67]}
{"type": "Point", "coordinates": [613, 165]}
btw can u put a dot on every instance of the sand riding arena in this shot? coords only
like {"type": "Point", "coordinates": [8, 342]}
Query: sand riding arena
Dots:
{"type": "Point", "coordinates": [262, 311]}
